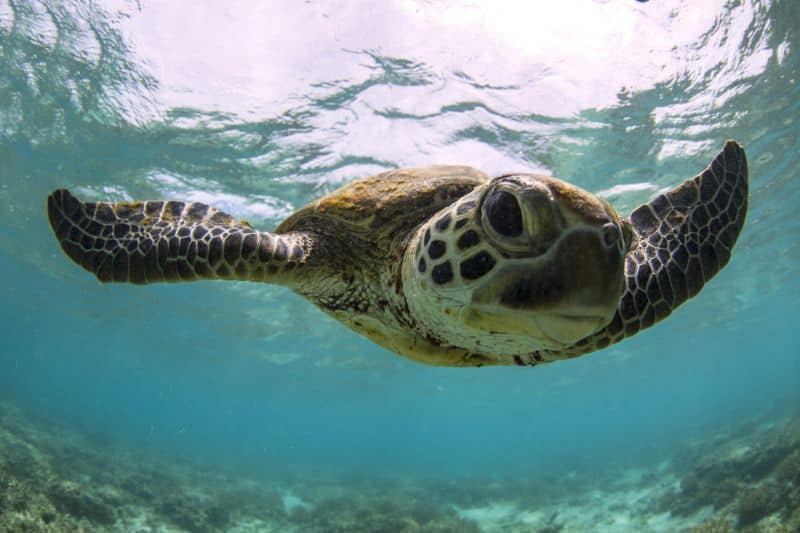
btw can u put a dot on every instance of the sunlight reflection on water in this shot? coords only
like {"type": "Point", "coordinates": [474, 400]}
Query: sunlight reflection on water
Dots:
{"type": "Point", "coordinates": [547, 58]}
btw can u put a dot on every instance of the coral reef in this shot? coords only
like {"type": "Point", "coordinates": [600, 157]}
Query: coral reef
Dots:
{"type": "Point", "coordinates": [53, 479]}
{"type": "Point", "coordinates": [750, 479]}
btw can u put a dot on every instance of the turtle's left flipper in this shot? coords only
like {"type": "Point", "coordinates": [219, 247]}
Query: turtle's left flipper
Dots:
{"type": "Point", "coordinates": [146, 242]}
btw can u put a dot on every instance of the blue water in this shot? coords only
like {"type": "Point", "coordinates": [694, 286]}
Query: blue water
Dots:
{"type": "Point", "coordinates": [260, 109]}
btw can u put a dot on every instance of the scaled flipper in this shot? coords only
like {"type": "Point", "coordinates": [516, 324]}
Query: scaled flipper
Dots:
{"type": "Point", "coordinates": [683, 237]}
{"type": "Point", "coordinates": [147, 242]}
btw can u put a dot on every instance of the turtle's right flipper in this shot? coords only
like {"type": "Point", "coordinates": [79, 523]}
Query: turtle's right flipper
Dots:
{"type": "Point", "coordinates": [683, 238]}
{"type": "Point", "coordinates": [146, 242]}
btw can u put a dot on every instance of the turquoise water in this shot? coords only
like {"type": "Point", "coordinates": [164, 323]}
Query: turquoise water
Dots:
{"type": "Point", "coordinates": [258, 110]}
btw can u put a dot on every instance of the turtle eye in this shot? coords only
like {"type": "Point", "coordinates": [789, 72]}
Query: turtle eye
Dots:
{"type": "Point", "coordinates": [504, 214]}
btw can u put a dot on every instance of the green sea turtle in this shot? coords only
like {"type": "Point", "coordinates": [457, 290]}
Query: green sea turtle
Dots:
{"type": "Point", "coordinates": [443, 264]}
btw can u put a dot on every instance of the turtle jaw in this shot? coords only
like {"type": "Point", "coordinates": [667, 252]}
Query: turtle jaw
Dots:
{"type": "Point", "coordinates": [559, 298]}
{"type": "Point", "coordinates": [546, 330]}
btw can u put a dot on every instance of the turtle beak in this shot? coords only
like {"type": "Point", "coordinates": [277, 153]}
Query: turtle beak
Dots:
{"type": "Point", "coordinates": [562, 297]}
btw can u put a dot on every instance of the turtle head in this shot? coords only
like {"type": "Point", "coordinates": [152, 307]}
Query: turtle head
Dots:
{"type": "Point", "coordinates": [529, 260]}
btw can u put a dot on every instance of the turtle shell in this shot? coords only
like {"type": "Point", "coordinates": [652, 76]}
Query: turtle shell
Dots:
{"type": "Point", "coordinates": [387, 207]}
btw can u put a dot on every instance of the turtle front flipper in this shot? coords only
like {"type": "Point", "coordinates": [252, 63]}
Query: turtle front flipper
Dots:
{"type": "Point", "coordinates": [683, 237]}
{"type": "Point", "coordinates": [147, 242]}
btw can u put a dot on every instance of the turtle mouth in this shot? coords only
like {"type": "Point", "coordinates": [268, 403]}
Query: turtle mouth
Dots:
{"type": "Point", "coordinates": [554, 329]}
{"type": "Point", "coordinates": [565, 329]}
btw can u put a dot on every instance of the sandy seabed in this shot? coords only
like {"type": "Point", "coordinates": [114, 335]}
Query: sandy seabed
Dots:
{"type": "Point", "coordinates": [52, 479]}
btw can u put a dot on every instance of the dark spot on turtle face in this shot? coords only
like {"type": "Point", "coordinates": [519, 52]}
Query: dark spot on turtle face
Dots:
{"type": "Point", "coordinates": [199, 232]}
{"type": "Point", "coordinates": [421, 266]}
{"type": "Point", "coordinates": [443, 223]}
{"type": "Point", "coordinates": [442, 274]}
{"type": "Point", "coordinates": [183, 232]}
{"type": "Point", "coordinates": [461, 223]}
{"type": "Point", "coordinates": [437, 249]}
{"type": "Point", "coordinates": [477, 265]}
{"type": "Point", "coordinates": [469, 238]}
{"type": "Point", "coordinates": [427, 237]}
{"type": "Point", "coordinates": [465, 207]}
{"type": "Point", "coordinates": [297, 253]}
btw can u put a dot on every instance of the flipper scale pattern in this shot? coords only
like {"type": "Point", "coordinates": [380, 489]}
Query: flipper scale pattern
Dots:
{"type": "Point", "coordinates": [146, 242]}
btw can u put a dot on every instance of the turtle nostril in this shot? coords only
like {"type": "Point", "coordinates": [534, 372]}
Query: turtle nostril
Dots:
{"type": "Point", "coordinates": [611, 234]}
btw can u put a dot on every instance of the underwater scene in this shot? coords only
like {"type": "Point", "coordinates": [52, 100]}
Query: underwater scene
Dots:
{"type": "Point", "coordinates": [241, 406]}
